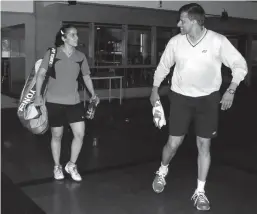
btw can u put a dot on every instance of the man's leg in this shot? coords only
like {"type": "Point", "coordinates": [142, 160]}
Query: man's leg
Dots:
{"type": "Point", "coordinates": [179, 120]}
{"type": "Point", "coordinates": [169, 151]}
{"type": "Point", "coordinates": [206, 122]}
{"type": "Point", "coordinates": [204, 160]}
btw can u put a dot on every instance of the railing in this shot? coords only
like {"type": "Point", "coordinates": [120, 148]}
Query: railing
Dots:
{"type": "Point", "coordinates": [133, 76]}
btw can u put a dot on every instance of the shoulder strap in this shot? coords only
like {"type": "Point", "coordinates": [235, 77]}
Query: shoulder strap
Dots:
{"type": "Point", "coordinates": [52, 56]}
{"type": "Point", "coordinates": [53, 52]}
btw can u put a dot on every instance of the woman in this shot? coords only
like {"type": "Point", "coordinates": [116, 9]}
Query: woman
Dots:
{"type": "Point", "coordinates": [62, 97]}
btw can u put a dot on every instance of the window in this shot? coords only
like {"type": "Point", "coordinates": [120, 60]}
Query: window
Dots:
{"type": "Point", "coordinates": [83, 34]}
{"type": "Point", "coordinates": [6, 47]}
{"type": "Point", "coordinates": [108, 44]}
{"type": "Point", "coordinates": [234, 42]}
{"type": "Point", "coordinates": [139, 45]}
{"type": "Point", "coordinates": [254, 52]}
{"type": "Point", "coordinates": [163, 37]}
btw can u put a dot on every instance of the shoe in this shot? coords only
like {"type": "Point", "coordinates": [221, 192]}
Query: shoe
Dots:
{"type": "Point", "coordinates": [159, 181]}
{"type": "Point", "coordinates": [71, 169]}
{"type": "Point", "coordinates": [58, 174]}
{"type": "Point", "coordinates": [200, 201]}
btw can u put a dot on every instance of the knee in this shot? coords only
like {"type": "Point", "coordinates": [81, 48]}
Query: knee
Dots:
{"type": "Point", "coordinates": [174, 142]}
{"type": "Point", "coordinates": [203, 146]}
{"type": "Point", "coordinates": [79, 135]}
{"type": "Point", "coordinates": [57, 136]}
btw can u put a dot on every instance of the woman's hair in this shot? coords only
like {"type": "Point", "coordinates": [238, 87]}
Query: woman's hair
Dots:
{"type": "Point", "coordinates": [195, 12]}
{"type": "Point", "coordinates": [62, 33]}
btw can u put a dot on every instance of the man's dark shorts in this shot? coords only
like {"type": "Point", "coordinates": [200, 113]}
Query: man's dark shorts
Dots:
{"type": "Point", "coordinates": [202, 111]}
{"type": "Point", "coordinates": [60, 114]}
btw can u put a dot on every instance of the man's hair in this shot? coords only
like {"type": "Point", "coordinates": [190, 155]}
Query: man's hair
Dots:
{"type": "Point", "coordinates": [194, 11]}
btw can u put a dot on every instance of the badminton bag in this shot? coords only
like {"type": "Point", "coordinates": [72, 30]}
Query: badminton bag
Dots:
{"type": "Point", "coordinates": [35, 118]}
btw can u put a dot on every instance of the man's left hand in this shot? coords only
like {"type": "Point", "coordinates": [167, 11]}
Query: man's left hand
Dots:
{"type": "Point", "coordinates": [227, 100]}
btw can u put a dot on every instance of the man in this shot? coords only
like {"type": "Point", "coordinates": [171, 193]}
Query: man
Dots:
{"type": "Point", "coordinates": [198, 54]}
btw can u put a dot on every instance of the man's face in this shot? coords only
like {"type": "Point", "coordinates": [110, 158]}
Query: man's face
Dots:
{"type": "Point", "coordinates": [71, 37]}
{"type": "Point", "coordinates": [185, 24]}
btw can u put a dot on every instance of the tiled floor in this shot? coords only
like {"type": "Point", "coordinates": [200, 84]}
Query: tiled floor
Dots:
{"type": "Point", "coordinates": [118, 173]}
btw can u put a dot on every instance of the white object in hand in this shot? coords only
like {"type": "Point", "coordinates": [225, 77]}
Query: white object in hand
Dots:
{"type": "Point", "coordinates": [158, 115]}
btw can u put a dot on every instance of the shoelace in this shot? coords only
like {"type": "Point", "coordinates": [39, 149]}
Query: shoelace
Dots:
{"type": "Point", "coordinates": [74, 170]}
{"type": "Point", "coordinates": [58, 169]}
{"type": "Point", "coordinates": [199, 196]}
{"type": "Point", "coordinates": [161, 177]}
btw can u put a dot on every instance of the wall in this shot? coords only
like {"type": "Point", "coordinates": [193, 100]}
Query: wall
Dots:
{"type": "Point", "coordinates": [51, 15]}
{"type": "Point", "coordinates": [9, 19]}
{"type": "Point", "coordinates": [17, 6]}
{"type": "Point", "coordinates": [44, 19]}
{"type": "Point", "coordinates": [234, 8]}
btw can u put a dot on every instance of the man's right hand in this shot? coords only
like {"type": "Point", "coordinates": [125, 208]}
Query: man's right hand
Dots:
{"type": "Point", "coordinates": [154, 97]}
{"type": "Point", "coordinates": [38, 101]}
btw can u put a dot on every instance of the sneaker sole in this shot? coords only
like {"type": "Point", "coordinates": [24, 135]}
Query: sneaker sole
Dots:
{"type": "Point", "coordinates": [58, 179]}
{"type": "Point", "coordinates": [157, 191]}
{"type": "Point", "coordinates": [202, 209]}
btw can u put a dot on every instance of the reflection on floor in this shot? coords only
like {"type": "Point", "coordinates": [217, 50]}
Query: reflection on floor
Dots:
{"type": "Point", "coordinates": [117, 174]}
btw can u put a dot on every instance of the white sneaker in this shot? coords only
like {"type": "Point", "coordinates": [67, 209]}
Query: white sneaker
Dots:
{"type": "Point", "coordinates": [58, 174]}
{"type": "Point", "coordinates": [71, 168]}
{"type": "Point", "coordinates": [159, 180]}
{"type": "Point", "coordinates": [200, 201]}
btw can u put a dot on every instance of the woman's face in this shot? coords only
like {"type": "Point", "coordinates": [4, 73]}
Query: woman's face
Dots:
{"type": "Point", "coordinates": [71, 37]}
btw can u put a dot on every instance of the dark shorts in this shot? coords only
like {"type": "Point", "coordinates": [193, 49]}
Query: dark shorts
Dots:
{"type": "Point", "coordinates": [202, 111]}
{"type": "Point", "coordinates": [60, 114]}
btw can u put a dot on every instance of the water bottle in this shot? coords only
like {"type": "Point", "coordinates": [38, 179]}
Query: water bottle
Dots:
{"type": "Point", "coordinates": [94, 141]}
{"type": "Point", "coordinates": [92, 107]}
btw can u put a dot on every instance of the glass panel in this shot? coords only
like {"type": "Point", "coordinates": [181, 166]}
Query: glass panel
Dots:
{"type": "Point", "coordinates": [163, 37]}
{"type": "Point", "coordinates": [15, 48]}
{"type": "Point", "coordinates": [6, 47]}
{"type": "Point", "coordinates": [254, 61]}
{"type": "Point", "coordinates": [108, 45]}
{"type": "Point", "coordinates": [83, 34]}
{"type": "Point", "coordinates": [139, 77]}
{"type": "Point", "coordinates": [12, 48]}
{"type": "Point", "coordinates": [139, 45]}
{"type": "Point", "coordinates": [234, 42]}
{"type": "Point", "coordinates": [254, 52]}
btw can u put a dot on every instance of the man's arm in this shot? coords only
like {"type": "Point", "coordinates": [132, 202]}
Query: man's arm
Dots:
{"type": "Point", "coordinates": [166, 62]}
{"type": "Point", "coordinates": [163, 69]}
{"type": "Point", "coordinates": [232, 58]}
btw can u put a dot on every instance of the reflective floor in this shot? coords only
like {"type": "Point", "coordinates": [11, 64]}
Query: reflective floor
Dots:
{"type": "Point", "coordinates": [118, 172]}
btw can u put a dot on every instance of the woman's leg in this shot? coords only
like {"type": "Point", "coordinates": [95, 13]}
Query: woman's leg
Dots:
{"type": "Point", "coordinates": [78, 129]}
